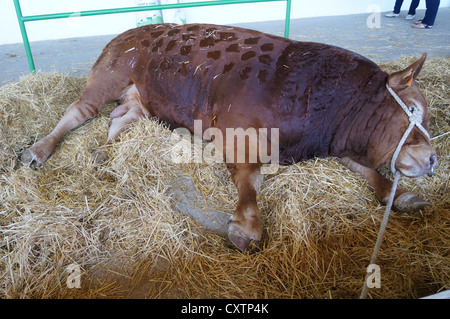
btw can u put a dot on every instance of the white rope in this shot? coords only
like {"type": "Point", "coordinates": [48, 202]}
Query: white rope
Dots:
{"type": "Point", "coordinates": [399, 147]}
{"type": "Point", "coordinates": [415, 119]}
{"type": "Point", "coordinates": [383, 226]}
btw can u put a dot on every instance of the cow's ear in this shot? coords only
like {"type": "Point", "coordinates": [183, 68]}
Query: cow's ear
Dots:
{"type": "Point", "coordinates": [406, 76]}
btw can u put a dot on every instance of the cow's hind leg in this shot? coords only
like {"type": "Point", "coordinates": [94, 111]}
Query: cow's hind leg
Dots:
{"type": "Point", "coordinates": [130, 110]}
{"type": "Point", "coordinates": [403, 201]}
{"type": "Point", "coordinates": [245, 225]}
{"type": "Point", "coordinates": [100, 89]}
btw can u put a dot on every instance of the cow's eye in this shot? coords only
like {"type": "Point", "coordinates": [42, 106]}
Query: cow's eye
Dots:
{"type": "Point", "coordinates": [412, 110]}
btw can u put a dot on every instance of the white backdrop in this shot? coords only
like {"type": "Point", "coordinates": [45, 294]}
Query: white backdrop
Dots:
{"type": "Point", "coordinates": [117, 23]}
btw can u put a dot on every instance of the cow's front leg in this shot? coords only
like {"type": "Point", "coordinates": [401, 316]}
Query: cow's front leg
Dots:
{"type": "Point", "coordinates": [76, 114]}
{"type": "Point", "coordinates": [245, 224]}
{"type": "Point", "coordinates": [403, 201]}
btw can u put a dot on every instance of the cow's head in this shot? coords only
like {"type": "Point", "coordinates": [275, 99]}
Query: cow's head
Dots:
{"type": "Point", "coordinates": [416, 157]}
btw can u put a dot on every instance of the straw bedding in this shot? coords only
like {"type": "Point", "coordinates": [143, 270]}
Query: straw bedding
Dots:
{"type": "Point", "coordinates": [121, 221]}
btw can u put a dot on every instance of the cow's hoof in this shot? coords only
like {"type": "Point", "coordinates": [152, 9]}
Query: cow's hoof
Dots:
{"type": "Point", "coordinates": [241, 240]}
{"type": "Point", "coordinates": [410, 202]}
{"type": "Point", "coordinates": [29, 158]}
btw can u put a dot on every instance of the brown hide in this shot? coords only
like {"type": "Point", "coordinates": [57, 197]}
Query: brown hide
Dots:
{"type": "Point", "coordinates": [324, 100]}
{"type": "Point", "coordinates": [230, 77]}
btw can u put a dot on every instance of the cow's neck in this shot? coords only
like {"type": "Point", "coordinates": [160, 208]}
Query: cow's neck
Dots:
{"type": "Point", "coordinates": [362, 123]}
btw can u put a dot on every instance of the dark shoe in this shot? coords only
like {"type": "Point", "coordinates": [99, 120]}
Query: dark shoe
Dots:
{"type": "Point", "coordinates": [422, 26]}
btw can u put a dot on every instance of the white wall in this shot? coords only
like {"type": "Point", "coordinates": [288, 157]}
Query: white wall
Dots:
{"type": "Point", "coordinates": [117, 23]}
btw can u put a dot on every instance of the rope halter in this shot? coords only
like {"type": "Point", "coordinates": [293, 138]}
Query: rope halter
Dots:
{"type": "Point", "coordinates": [415, 119]}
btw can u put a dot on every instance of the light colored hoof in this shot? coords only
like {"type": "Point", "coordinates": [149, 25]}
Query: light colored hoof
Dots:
{"type": "Point", "coordinates": [240, 239]}
{"type": "Point", "coordinates": [29, 158]}
{"type": "Point", "coordinates": [410, 202]}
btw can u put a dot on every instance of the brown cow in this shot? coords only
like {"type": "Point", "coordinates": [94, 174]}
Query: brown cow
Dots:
{"type": "Point", "coordinates": [325, 101]}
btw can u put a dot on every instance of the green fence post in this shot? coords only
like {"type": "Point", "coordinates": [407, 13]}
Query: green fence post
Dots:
{"type": "Point", "coordinates": [287, 20]}
{"type": "Point", "coordinates": [23, 30]}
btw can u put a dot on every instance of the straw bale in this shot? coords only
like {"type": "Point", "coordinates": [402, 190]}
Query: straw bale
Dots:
{"type": "Point", "coordinates": [127, 222]}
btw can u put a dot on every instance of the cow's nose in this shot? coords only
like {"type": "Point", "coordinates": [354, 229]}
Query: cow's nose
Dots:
{"type": "Point", "coordinates": [433, 162]}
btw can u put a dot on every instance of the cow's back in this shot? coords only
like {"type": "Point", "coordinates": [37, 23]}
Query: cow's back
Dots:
{"type": "Point", "coordinates": [194, 71]}
{"type": "Point", "coordinates": [233, 77]}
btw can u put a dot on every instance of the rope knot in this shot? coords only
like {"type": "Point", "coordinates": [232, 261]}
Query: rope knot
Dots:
{"type": "Point", "coordinates": [416, 117]}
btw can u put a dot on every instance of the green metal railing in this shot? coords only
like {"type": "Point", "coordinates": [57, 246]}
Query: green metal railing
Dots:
{"type": "Point", "coordinates": [22, 19]}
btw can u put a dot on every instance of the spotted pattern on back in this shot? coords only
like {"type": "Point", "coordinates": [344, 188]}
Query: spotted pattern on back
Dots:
{"type": "Point", "coordinates": [212, 53]}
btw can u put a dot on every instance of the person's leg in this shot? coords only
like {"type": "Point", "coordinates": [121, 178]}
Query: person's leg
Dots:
{"type": "Point", "coordinates": [397, 6]}
{"type": "Point", "coordinates": [431, 12]}
{"type": "Point", "coordinates": [413, 7]}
